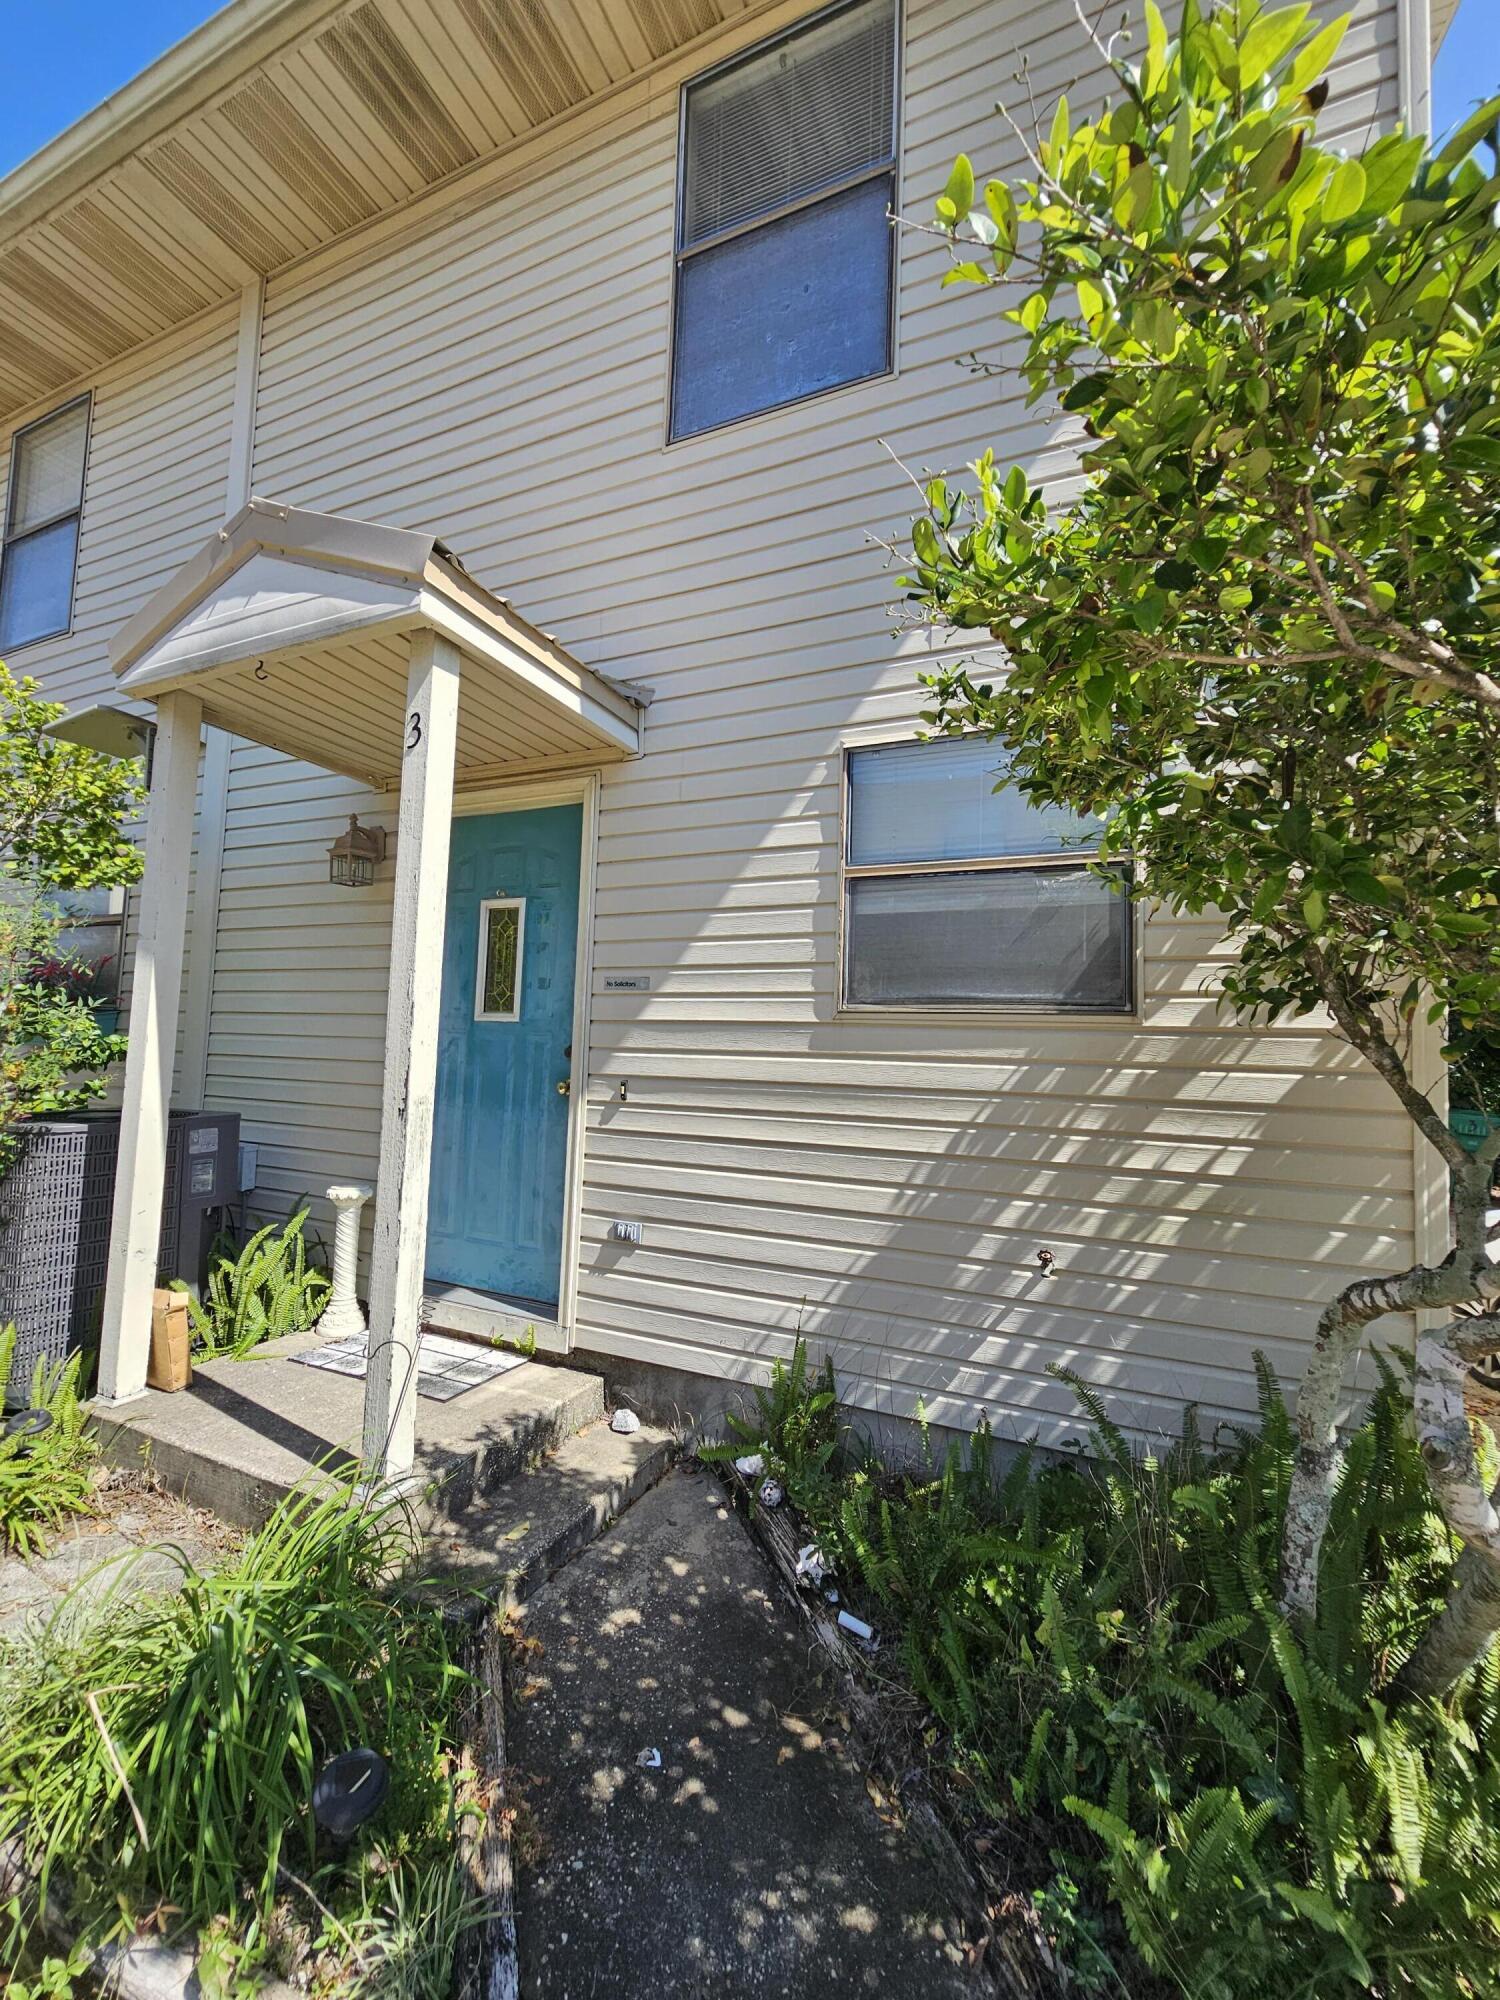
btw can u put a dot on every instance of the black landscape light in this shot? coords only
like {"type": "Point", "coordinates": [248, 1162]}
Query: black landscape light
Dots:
{"type": "Point", "coordinates": [27, 1425]}
{"type": "Point", "coordinates": [349, 1790]}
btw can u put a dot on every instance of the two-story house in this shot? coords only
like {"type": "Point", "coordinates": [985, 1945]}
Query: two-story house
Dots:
{"type": "Point", "coordinates": [553, 365]}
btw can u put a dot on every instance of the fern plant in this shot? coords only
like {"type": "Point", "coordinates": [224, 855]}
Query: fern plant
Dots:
{"type": "Point", "coordinates": [795, 1429]}
{"type": "Point", "coordinates": [1099, 1646]}
{"type": "Point", "coordinates": [47, 1476]}
{"type": "Point", "coordinates": [268, 1289]}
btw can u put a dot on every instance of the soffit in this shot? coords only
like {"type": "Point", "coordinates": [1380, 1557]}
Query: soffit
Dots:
{"type": "Point", "coordinates": [279, 127]}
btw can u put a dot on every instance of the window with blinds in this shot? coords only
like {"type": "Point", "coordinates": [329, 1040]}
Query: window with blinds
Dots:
{"type": "Point", "coordinates": [42, 512]}
{"type": "Point", "coordinates": [959, 895]}
{"type": "Point", "coordinates": [784, 254]}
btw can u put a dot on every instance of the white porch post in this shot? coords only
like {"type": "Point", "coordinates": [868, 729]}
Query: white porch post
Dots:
{"type": "Point", "coordinates": [154, 995]}
{"type": "Point", "coordinates": [411, 1037]}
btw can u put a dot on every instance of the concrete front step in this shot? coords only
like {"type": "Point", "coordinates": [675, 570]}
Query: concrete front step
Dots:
{"type": "Point", "coordinates": [247, 1432]}
{"type": "Point", "coordinates": [507, 1545]}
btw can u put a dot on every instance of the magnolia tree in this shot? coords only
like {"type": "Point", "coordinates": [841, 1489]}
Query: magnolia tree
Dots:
{"type": "Point", "coordinates": [61, 809]}
{"type": "Point", "coordinates": [1263, 640]}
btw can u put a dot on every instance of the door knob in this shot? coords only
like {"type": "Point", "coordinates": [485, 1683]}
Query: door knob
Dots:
{"type": "Point", "coordinates": [564, 1087]}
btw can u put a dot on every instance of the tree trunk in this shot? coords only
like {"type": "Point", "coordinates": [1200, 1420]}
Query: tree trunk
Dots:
{"type": "Point", "coordinates": [1320, 1455]}
{"type": "Point", "coordinates": [1469, 1623]}
{"type": "Point", "coordinates": [1467, 1278]}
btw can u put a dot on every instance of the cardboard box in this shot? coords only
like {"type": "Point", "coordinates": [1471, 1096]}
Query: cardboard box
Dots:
{"type": "Point", "coordinates": [169, 1366]}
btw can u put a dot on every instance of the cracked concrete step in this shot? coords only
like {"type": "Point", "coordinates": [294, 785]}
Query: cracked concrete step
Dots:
{"type": "Point", "coordinates": [246, 1432]}
{"type": "Point", "coordinates": [505, 1546]}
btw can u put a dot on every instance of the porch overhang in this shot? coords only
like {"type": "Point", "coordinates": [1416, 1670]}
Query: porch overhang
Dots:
{"type": "Point", "coordinates": [294, 629]}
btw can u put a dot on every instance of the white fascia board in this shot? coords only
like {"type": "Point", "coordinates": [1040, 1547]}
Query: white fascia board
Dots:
{"type": "Point", "coordinates": [598, 707]}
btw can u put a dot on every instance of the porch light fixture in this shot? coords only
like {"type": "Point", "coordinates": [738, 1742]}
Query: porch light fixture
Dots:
{"type": "Point", "coordinates": [352, 857]}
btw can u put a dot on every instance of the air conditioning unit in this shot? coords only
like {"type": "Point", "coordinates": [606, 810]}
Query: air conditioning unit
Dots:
{"type": "Point", "coordinates": [55, 1208]}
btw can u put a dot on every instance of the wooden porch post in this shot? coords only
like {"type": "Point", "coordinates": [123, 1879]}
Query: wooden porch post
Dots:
{"type": "Point", "coordinates": [411, 1037]}
{"type": "Point", "coordinates": [155, 985]}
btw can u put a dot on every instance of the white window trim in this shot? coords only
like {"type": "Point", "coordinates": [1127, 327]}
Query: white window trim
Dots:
{"type": "Point", "coordinates": [69, 514]}
{"type": "Point", "coordinates": [117, 915]}
{"type": "Point", "coordinates": [517, 903]}
{"type": "Point", "coordinates": [890, 166]}
{"type": "Point", "coordinates": [1012, 1012]}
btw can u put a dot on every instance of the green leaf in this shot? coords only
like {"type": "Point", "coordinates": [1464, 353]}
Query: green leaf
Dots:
{"type": "Point", "coordinates": [1345, 192]}
{"type": "Point", "coordinates": [1389, 166]}
{"type": "Point", "coordinates": [1134, 198]}
{"type": "Point", "coordinates": [1057, 143]}
{"type": "Point", "coordinates": [1367, 887]}
{"type": "Point", "coordinates": [1001, 204]}
{"type": "Point", "coordinates": [1156, 34]}
{"type": "Point", "coordinates": [1475, 127]}
{"type": "Point", "coordinates": [1315, 56]}
{"type": "Point", "coordinates": [1313, 909]}
{"type": "Point", "coordinates": [1269, 38]}
{"type": "Point", "coordinates": [960, 188]}
{"type": "Point", "coordinates": [1180, 151]}
{"type": "Point", "coordinates": [1086, 390]}
{"type": "Point", "coordinates": [1267, 896]}
{"type": "Point", "coordinates": [1269, 164]}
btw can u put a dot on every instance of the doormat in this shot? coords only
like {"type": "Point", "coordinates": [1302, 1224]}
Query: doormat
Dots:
{"type": "Point", "coordinates": [445, 1368]}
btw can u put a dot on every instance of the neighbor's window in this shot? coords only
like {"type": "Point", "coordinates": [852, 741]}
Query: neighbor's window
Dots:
{"type": "Point", "coordinates": [93, 938]}
{"type": "Point", "coordinates": [784, 254]}
{"type": "Point", "coordinates": [957, 895]}
{"type": "Point", "coordinates": [41, 526]}
{"type": "Point", "coordinates": [85, 961]}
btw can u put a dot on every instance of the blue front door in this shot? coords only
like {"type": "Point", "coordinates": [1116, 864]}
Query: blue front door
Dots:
{"type": "Point", "coordinates": [500, 1143]}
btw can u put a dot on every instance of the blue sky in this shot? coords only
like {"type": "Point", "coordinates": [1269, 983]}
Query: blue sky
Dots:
{"type": "Point", "coordinates": [63, 57]}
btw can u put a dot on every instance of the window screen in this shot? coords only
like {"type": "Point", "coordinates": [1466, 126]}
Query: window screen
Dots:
{"type": "Point", "coordinates": [957, 895]}
{"type": "Point", "coordinates": [785, 256]}
{"type": "Point", "coordinates": [41, 527]}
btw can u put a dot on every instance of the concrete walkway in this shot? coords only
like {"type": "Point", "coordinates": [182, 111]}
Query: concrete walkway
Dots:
{"type": "Point", "coordinates": [135, 1542]}
{"type": "Point", "coordinates": [752, 1863]}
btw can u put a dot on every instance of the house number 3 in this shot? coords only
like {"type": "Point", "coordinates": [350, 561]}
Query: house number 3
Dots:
{"type": "Point", "coordinates": [414, 729]}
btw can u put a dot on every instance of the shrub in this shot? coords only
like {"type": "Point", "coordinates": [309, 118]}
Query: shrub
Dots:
{"type": "Point", "coordinates": [161, 1754]}
{"type": "Point", "coordinates": [47, 1477]}
{"type": "Point", "coordinates": [1101, 1648]}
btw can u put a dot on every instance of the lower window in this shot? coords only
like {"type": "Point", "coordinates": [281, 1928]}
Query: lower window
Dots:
{"type": "Point", "coordinates": [957, 895]}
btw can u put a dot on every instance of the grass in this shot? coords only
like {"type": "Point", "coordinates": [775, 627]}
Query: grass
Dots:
{"type": "Point", "coordinates": [157, 1757]}
{"type": "Point", "coordinates": [48, 1478]}
{"type": "Point", "coordinates": [1123, 1725]}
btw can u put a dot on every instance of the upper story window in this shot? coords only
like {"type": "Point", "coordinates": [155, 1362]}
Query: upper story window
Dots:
{"type": "Point", "coordinates": [41, 526]}
{"type": "Point", "coordinates": [956, 895]}
{"type": "Point", "coordinates": [784, 255]}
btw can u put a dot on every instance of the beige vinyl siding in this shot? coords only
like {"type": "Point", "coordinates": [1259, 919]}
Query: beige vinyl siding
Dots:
{"type": "Point", "coordinates": [881, 1184]}
{"type": "Point", "coordinates": [297, 1028]}
{"type": "Point", "coordinates": [153, 491]}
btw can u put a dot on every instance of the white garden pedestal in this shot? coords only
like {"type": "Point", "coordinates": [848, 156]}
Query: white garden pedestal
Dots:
{"type": "Point", "coordinates": [342, 1317]}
